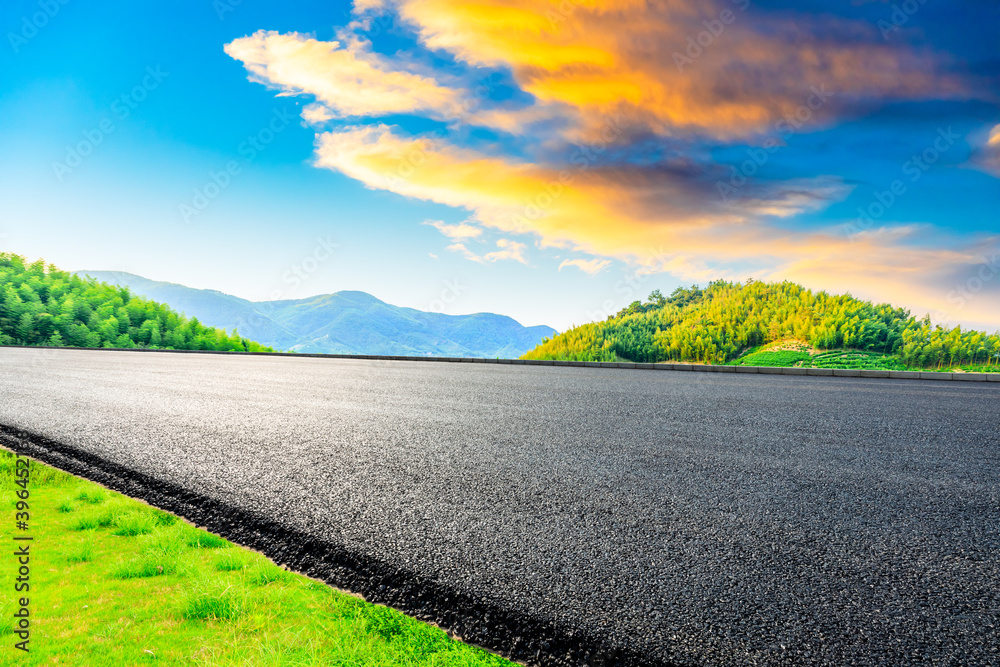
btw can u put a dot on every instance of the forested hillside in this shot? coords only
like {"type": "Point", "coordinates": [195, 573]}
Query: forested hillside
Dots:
{"type": "Point", "coordinates": [41, 305]}
{"type": "Point", "coordinates": [719, 323]}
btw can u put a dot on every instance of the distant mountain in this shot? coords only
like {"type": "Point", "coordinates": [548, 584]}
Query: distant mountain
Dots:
{"type": "Point", "coordinates": [342, 323]}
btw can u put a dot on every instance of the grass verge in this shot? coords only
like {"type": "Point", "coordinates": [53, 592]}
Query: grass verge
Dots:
{"type": "Point", "coordinates": [786, 354]}
{"type": "Point", "coordinates": [116, 582]}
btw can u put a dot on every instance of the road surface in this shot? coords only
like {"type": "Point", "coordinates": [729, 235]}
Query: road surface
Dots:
{"type": "Point", "coordinates": [569, 515]}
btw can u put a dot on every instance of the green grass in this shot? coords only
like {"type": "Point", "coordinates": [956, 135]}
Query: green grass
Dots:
{"type": "Point", "coordinates": [116, 582]}
{"type": "Point", "coordinates": [80, 553]}
{"type": "Point", "coordinates": [200, 539]}
{"type": "Point", "coordinates": [232, 560]}
{"type": "Point", "coordinates": [981, 369]}
{"type": "Point", "coordinates": [805, 358]}
{"type": "Point", "coordinates": [92, 496]}
{"type": "Point", "coordinates": [782, 358]}
{"type": "Point", "coordinates": [133, 523]}
{"type": "Point", "coordinates": [216, 599]}
{"type": "Point", "coordinates": [150, 564]}
{"type": "Point", "coordinates": [857, 359]}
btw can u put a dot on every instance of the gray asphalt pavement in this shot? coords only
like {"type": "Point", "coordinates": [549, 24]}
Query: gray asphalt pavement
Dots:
{"type": "Point", "coordinates": [651, 517]}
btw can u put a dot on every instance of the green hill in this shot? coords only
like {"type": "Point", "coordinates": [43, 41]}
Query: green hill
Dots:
{"type": "Point", "coordinates": [41, 305]}
{"type": "Point", "coordinates": [777, 324]}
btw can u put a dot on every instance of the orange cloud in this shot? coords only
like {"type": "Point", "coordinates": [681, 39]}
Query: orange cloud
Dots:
{"type": "Point", "coordinates": [605, 71]}
{"type": "Point", "coordinates": [579, 206]}
{"type": "Point", "coordinates": [674, 66]}
{"type": "Point", "coordinates": [663, 221]}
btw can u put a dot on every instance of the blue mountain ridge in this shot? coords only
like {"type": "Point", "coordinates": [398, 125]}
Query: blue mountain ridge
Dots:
{"type": "Point", "coordinates": [345, 322]}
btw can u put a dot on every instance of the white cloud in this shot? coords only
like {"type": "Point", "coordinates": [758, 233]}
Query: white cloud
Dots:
{"type": "Point", "coordinates": [316, 114]}
{"type": "Point", "coordinates": [591, 266]}
{"type": "Point", "coordinates": [347, 77]}
{"type": "Point", "coordinates": [507, 250]}
{"type": "Point", "coordinates": [511, 250]}
{"type": "Point", "coordinates": [456, 232]}
{"type": "Point", "coordinates": [465, 252]}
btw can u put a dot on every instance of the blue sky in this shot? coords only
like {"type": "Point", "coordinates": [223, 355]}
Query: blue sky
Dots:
{"type": "Point", "coordinates": [160, 99]}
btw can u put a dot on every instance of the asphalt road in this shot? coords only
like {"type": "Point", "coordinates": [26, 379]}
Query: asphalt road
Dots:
{"type": "Point", "coordinates": [651, 517]}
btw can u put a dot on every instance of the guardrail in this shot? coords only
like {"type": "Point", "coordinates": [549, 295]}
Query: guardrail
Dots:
{"type": "Point", "coordinates": [698, 368]}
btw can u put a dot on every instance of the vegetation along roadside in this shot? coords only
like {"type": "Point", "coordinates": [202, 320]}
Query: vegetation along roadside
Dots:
{"type": "Point", "coordinates": [117, 582]}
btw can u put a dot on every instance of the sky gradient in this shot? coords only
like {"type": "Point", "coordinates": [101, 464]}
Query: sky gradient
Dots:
{"type": "Point", "coordinates": [551, 161]}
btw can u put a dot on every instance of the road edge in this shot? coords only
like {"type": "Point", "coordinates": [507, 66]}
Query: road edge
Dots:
{"type": "Point", "coordinates": [526, 640]}
{"type": "Point", "coordinates": [702, 368]}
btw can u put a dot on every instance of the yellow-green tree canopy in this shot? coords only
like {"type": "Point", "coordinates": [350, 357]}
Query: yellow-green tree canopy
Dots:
{"type": "Point", "coordinates": [716, 324]}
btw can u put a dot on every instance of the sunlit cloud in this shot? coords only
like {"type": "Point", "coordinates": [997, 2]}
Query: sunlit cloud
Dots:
{"type": "Point", "coordinates": [464, 251]}
{"type": "Point", "coordinates": [316, 114]}
{"type": "Point", "coordinates": [687, 66]}
{"type": "Point", "coordinates": [591, 266]}
{"type": "Point", "coordinates": [692, 75]}
{"type": "Point", "coordinates": [609, 211]}
{"type": "Point", "coordinates": [509, 250]}
{"type": "Point", "coordinates": [361, 6]}
{"type": "Point", "coordinates": [349, 79]}
{"type": "Point", "coordinates": [506, 250]}
{"type": "Point", "coordinates": [461, 230]}
{"type": "Point", "coordinates": [664, 221]}
{"type": "Point", "coordinates": [987, 156]}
